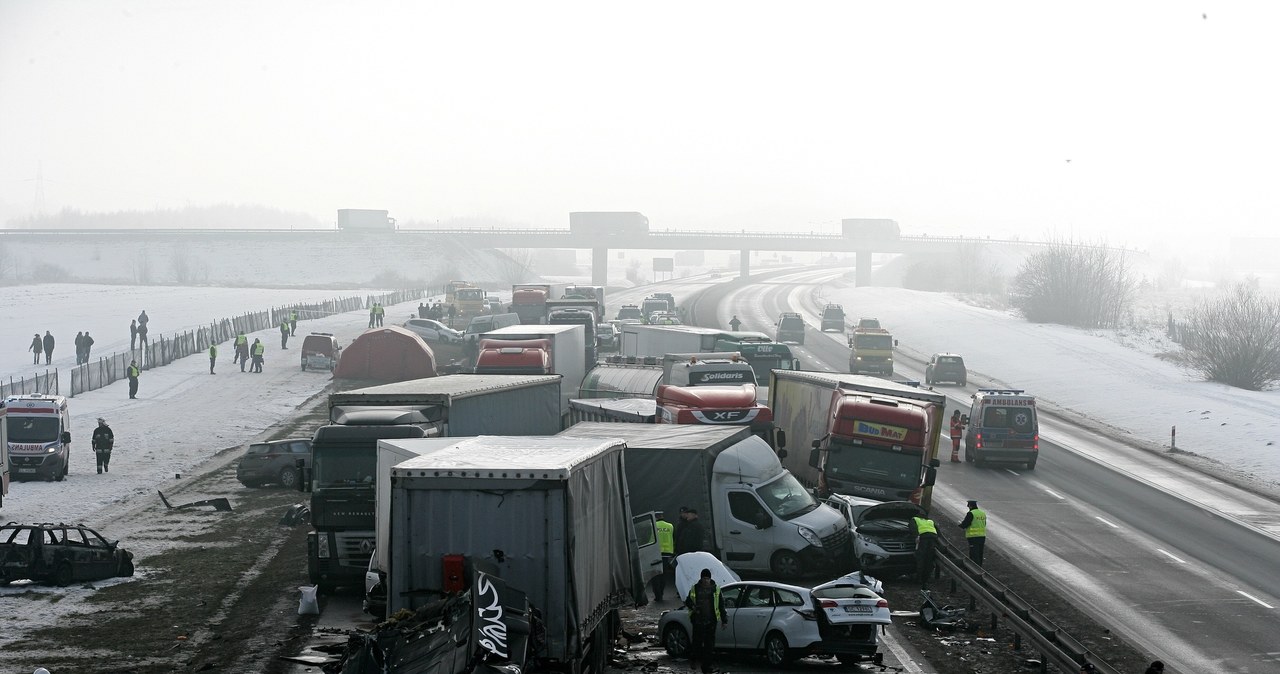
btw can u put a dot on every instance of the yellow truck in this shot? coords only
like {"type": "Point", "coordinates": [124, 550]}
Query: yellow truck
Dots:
{"type": "Point", "coordinates": [872, 351]}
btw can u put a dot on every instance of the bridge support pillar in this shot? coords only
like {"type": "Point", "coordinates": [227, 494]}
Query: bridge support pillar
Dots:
{"type": "Point", "coordinates": [744, 264]}
{"type": "Point", "coordinates": [862, 268]}
{"type": "Point", "coordinates": [599, 266]}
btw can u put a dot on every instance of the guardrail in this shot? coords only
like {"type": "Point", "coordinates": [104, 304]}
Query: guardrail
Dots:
{"type": "Point", "coordinates": [1026, 622]}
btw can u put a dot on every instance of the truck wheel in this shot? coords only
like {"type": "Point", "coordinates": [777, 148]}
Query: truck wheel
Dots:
{"type": "Point", "coordinates": [66, 468]}
{"type": "Point", "coordinates": [785, 564]}
{"type": "Point", "coordinates": [968, 458]}
{"type": "Point", "coordinates": [1031, 465]}
{"type": "Point", "coordinates": [288, 477]}
{"type": "Point", "coordinates": [304, 367]}
{"type": "Point", "coordinates": [962, 381]}
{"type": "Point", "coordinates": [775, 649]}
{"type": "Point", "coordinates": [675, 640]}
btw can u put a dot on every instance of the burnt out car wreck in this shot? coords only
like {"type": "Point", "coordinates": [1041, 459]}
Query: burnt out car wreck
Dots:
{"type": "Point", "coordinates": [60, 554]}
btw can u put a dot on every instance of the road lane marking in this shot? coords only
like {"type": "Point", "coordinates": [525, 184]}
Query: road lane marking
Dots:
{"type": "Point", "coordinates": [1110, 524]}
{"type": "Point", "coordinates": [1011, 471]}
{"type": "Point", "coordinates": [1052, 493]}
{"type": "Point", "coordinates": [1249, 596]}
{"type": "Point", "coordinates": [1170, 555]}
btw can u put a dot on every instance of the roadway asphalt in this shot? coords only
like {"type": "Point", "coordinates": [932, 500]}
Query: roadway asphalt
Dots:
{"type": "Point", "coordinates": [1183, 581]}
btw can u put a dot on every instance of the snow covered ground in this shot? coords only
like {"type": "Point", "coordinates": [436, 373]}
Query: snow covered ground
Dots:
{"type": "Point", "coordinates": [1113, 377]}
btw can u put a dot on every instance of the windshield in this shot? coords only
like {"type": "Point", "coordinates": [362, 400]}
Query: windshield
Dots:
{"type": "Point", "coordinates": [880, 342]}
{"type": "Point", "coordinates": [344, 466]}
{"type": "Point", "coordinates": [470, 293]}
{"type": "Point", "coordinates": [792, 323]}
{"type": "Point", "coordinates": [866, 465]}
{"type": "Point", "coordinates": [950, 360]}
{"type": "Point", "coordinates": [629, 312]}
{"type": "Point", "coordinates": [33, 429]}
{"type": "Point", "coordinates": [786, 497]}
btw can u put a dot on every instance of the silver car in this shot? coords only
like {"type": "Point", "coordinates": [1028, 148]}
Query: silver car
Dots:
{"type": "Point", "coordinates": [882, 538]}
{"type": "Point", "coordinates": [784, 622]}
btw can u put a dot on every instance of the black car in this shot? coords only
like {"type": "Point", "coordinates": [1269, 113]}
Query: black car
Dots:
{"type": "Point", "coordinates": [945, 367]}
{"type": "Point", "coordinates": [833, 318]}
{"type": "Point", "coordinates": [790, 328]}
{"type": "Point", "coordinates": [59, 553]}
{"type": "Point", "coordinates": [273, 462]}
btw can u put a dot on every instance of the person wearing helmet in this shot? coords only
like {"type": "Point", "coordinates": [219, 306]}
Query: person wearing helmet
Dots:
{"type": "Point", "coordinates": [102, 441]}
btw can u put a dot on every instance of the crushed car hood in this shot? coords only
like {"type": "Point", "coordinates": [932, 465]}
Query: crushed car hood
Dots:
{"type": "Point", "coordinates": [893, 510]}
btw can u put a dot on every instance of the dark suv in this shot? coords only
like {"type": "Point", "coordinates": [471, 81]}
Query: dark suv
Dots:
{"type": "Point", "coordinates": [59, 553]}
{"type": "Point", "coordinates": [833, 318]}
{"type": "Point", "coordinates": [274, 461]}
{"type": "Point", "coordinates": [790, 328]}
{"type": "Point", "coordinates": [945, 367]}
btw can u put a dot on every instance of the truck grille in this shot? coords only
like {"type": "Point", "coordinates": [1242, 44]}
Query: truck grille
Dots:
{"type": "Point", "coordinates": [354, 549]}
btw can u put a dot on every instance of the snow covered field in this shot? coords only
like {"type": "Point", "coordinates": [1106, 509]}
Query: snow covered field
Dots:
{"type": "Point", "coordinates": [1110, 376]}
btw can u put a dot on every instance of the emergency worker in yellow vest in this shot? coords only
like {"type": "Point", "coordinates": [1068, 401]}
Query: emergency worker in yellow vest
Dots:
{"type": "Point", "coordinates": [926, 548]}
{"type": "Point", "coordinates": [975, 531]}
{"type": "Point", "coordinates": [666, 544]}
{"type": "Point", "coordinates": [258, 349]}
{"type": "Point", "coordinates": [241, 347]}
{"type": "Point", "coordinates": [293, 322]}
{"type": "Point", "coordinates": [705, 610]}
{"type": "Point", "coordinates": [213, 357]}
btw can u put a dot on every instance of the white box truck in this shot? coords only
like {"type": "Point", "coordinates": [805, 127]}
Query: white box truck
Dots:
{"type": "Point", "coordinates": [659, 340]}
{"type": "Point", "coordinates": [567, 356]}
{"type": "Point", "coordinates": [757, 516]}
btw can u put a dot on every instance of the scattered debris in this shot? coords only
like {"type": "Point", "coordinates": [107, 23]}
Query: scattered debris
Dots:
{"type": "Point", "coordinates": [298, 513]}
{"type": "Point", "coordinates": [220, 504]}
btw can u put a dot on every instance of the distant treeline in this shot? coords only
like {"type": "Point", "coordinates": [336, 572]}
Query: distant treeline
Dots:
{"type": "Point", "coordinates": [222, 216]}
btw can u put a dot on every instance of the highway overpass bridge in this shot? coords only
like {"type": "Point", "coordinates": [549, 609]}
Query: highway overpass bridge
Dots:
{"type": "Point", "coordinates": [599, 243]}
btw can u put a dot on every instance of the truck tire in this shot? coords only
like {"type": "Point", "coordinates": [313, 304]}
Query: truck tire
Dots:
{"type": "Point", "coordinates": [1031, 465]}
{"type": "Point", "coordinates": [786, 565]}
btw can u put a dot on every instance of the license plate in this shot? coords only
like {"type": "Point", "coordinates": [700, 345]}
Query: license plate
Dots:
{"type": "Point", "coordinates": [857, 608]}
{"type": "Point", "coordinates": [26, 470]}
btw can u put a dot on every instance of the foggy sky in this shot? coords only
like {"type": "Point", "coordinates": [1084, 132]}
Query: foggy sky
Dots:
{"type": "Point", "coordinates": [951, 118]}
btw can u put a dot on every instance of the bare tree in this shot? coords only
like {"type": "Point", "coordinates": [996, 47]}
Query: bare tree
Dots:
{"type": "Point", "coordinates": [1235, 339]}
{"type": "Point", "coordinates": [142, 266]}
{"type": "Point", "coordinates": [515, 265]}
{"type": "Point", "coordinates": [183, 269]}
{"type": "Point", "coordinates": [1074, 284]}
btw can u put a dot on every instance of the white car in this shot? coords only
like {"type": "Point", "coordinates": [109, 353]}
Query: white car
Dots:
{"type": "Point", "coordinates": [882, 538]}
{"type": "Point", "coordinates": [432, 330]}
{"type": "Point", "coordinates": [782, 621]}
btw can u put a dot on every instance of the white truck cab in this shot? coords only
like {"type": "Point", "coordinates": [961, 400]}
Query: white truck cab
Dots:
{"type": "Point", "coordinates": [38, 427]}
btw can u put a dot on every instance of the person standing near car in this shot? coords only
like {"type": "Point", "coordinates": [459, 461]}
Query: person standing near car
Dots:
{"type": "Point", "coordinates": [102, 441]}
{"type": "Point", "coordinates": [926, 548]}
{"type": "Point", "coordinates": [705, 610]}
{"type": "Point", "coordinates": [666, 545]}
{"type": "Point", "coordinates": [957, 430]}
{"type": "Point", "coordinates": [975, 531]}
{"type": "Point", "coordinates": [688, 534]}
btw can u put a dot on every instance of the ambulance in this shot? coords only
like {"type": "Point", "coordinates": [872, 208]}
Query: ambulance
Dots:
{"type": "Point", "coordinates": [1002, 427]}
{"type": "Point", "coordinates": [39, 436]}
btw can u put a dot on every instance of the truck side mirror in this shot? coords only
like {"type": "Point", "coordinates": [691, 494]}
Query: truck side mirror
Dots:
{"type": "Point", "coordinates": [814, 457]}
{"type": "Point", "coordinates": [780, 439]}
{"type": "Point", "coordinates": [964, 419]}
{"type": "Point", "coordinates": [304, 473]}
{"type": "Point", "coordinates": [66, 437]}
{"type": "Point", "coordinates": [895, 343]}
{"type": "Point", "coordinates": [763, 521]}
{"type": "Point", "coordinates": [930, 476]}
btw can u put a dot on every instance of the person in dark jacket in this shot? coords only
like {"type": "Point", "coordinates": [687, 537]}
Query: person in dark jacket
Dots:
{"type": "Point", "coordinates": [975, 531]}
{"type": "Point", "coordinates": [48, 347]}
{"type": "Point", "coordinates": [926, 533]}
{"type": "Point", "coordinates": [422, 310]}
{"type": "Point", "coordinates": [36, 348]}
{"type": "Point", "coordinates": [102, 442]}
{"type": "Point", "coordinates": [79, 347]}
{"type": "Point", "coordinates": [133, 334]}
{"type": "Point", "coordinates": [688, 534]}
{"type": "Point", "coordinates": [705, 610]}
{"type": "Point", "coordinates": [1156, 667]}
{"type": "Point", "coordinates": [258, 350]}
{"type": "Point", "coordinates": [88, 345]}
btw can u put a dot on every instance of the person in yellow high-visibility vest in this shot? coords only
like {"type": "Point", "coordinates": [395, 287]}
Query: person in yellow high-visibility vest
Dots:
{"type": "Point", "coordinates": [926, 547]}
{"type": "Point", "coordinates": [667, 545]}
{"type": "Point", "coordinates": [975, 531]}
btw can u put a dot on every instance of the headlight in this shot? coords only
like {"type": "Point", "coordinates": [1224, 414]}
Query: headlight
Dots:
{"type": "Point", "coordinates": [859, 357]}
{"type": "Point", "coordinates": [50, 450]}
{"type": "Point", "coordinates": [807, 534]}
{"type": "Point", "coordinates": [322, 545]}
{"type": "Point", "coordinates": [889, 359]}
